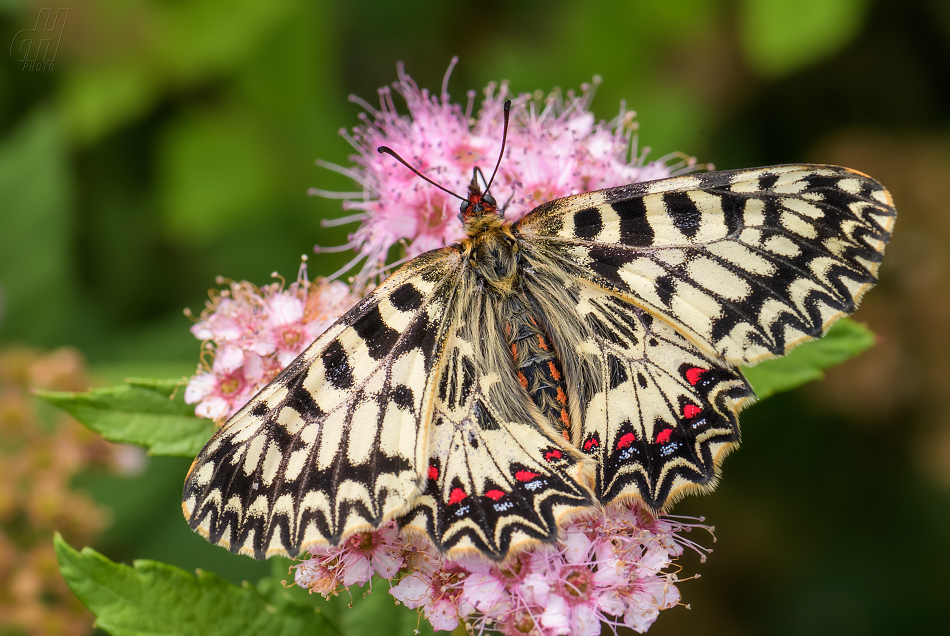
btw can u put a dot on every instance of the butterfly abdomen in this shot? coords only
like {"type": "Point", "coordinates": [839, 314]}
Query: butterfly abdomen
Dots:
{"type": "Point", "coordinates": [538, 368]}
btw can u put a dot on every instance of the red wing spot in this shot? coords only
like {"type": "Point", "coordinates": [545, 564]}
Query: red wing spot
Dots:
{"type": "Point", "coordinates": [551, 455]}
{"type": "Point", "coordinates": [664, 436]}
{"type": "Point", "coordinates": [694, 374]}
{"type": "Point", "coordinates": [542, 343]}
{"type": "Point", "coordinates": [457, 495]}
{"type": "Point", "coordinates": [525, 475]}
{"type": "Point", "coordinates": [433, 472]}
{"type": "Point", "coordinates": [626, 440]}
{"type": "Point", "coordinates": [591, 443]}
{"type": "Point", "coordinates": [494, 495]}
{"type": "Point", "coordinates": [560, 397]}
{"type": "Point", "coordinates": [691, 410]}
{"type": "Point", "coordinates": [554, 373]}
{"type": "Point", "coordinates": [514, 351]}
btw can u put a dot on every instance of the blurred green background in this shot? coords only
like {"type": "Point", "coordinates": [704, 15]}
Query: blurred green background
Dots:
{"type": "Point", "coordinates": [174, 141]}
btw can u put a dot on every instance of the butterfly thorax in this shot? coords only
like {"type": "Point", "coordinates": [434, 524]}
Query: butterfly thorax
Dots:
{"type": "Point", "coordinates": [491, 250]}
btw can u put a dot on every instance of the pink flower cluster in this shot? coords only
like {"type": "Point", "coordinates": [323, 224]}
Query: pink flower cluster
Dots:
{"type": "Point", "coordinates": [252, 333]}
{"type": "Point", "coordinates": [612, 569]}
{"type": "Point", "coordinates": [555, 148]}
{"type": "Point", "coordinates": [353, 562]}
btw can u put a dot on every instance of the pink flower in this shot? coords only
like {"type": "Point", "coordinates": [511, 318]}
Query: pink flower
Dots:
{"type": "Point", "coordinates": [555, 148]}
{"type": "Point", "coordinates": [413, 590]}
{"type": "Point", "coordinates": [483, 592]}
{"type": "Point", "coordinates": [647, 598]}
{"type": "Point", "coordinates": [316, 577]}
{"type": "Point", "coordinates": [353, 562]}
{"type": "Point", "coordinates": [556, 616]}
{"type": "Point", "coordinates": [442, 614]}
{"type": "Point", "coordinates": [252, 333]}
{"type": "Point", "coordinates": [227, 386]}
{"type": "Point", "coordinates": [367, 553]}
{"type": "Point", "coordinates": [283, 330]}
{"type": "Point", "coordinates": [609, 569]}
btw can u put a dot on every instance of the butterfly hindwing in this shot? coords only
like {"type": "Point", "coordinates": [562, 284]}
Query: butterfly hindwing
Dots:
{"type": "Point", "coordinates": [656, 413]}
{"type": "Point", "coordinates": [336, 444]}
{"type": "Point", "coordinates": [746, 263]}
{"type": "Point", "coordinates": [500, 477]}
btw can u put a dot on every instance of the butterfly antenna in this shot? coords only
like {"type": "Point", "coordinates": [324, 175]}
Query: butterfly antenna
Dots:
{"type": "Point", "coordinates": [504, 138]}
{"type": "Point", "coordinates": [389, 151]}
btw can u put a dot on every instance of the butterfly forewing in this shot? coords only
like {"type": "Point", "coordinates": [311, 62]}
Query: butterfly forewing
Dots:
{"type": "Point", "coordinates": [336, 444]}
{"type": "Point", "coordinates": [746, 263]}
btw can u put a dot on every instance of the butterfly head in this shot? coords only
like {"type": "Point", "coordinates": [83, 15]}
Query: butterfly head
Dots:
{"type": "Point", "coordinates": [479, 202]}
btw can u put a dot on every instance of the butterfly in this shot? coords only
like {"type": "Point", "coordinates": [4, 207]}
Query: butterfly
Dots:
{"type": "Point", "coordinates": [488, 391]}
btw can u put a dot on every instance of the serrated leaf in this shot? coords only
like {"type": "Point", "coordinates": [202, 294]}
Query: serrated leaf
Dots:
{"type": "Point", "coordinates": [156, 599]}
{"type": "Point", "coordinates": [844, 340]}
{"type": "Point", "coordinates": [170, 388]}
{"type": "Point", "coordinates": [150, 413]}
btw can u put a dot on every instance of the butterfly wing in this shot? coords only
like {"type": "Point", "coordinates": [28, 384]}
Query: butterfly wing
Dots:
{"type": "Point", "coordinates": [500, 477]}
{"type": "Point", "coordinates": [335, 444]}
{"type": "Point", "coordinates": [656, 413]}
{"type": "Point", "coordinates": [745, 263]}
{"type": "Point", "coordinates": [673, 284]}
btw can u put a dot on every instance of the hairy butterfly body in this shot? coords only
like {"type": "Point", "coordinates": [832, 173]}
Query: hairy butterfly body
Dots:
{"type": "Point", "coordinates": [587, 354]}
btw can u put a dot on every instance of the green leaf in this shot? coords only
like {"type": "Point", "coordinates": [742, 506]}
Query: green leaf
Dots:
{"type": "Point", "coordinates": [150, 413]}
{"type": "Point", "coordinates": [779, 37]}
{"type": "Point", "coordinates": [155, 599]}
{"type": "Point", "coordinates": [844, 340]}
